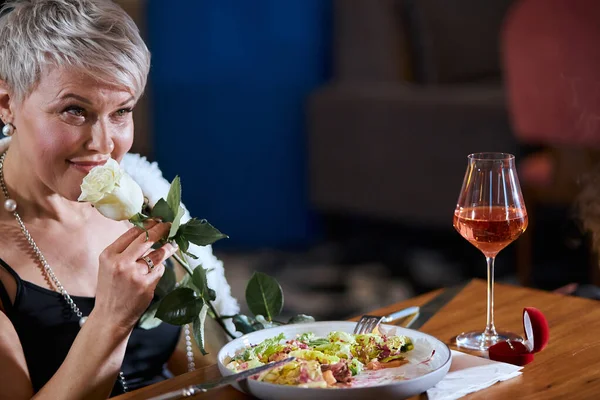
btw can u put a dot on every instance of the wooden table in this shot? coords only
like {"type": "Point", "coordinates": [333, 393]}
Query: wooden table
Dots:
{"type": "Point", "coordinates": [568, 368]}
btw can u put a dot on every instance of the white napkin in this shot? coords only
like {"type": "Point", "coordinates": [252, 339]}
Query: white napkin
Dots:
{"type": "Point", "coordinates": [470, 374]}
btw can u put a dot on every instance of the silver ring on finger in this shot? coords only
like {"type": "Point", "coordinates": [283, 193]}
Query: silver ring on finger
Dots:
{"type": "Point", "coordinates": [149, 263]}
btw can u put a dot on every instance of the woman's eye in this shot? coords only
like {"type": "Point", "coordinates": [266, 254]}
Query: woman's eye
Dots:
{"type": "Point", "coordinates": [75, 111]}
{"type": "Point", "coordinates": [123, 111]}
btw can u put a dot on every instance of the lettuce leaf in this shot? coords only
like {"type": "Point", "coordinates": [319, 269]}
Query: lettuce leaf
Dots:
{"type": "Point", "coordinates": [262, 351]}
{"type": "Point", "coordinates": [315, 355]}
{"type": "Point", "coordinates": [355, 366]}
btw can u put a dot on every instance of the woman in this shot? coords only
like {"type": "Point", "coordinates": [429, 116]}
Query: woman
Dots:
{"type": "Point", "coordinates": [73, 284]}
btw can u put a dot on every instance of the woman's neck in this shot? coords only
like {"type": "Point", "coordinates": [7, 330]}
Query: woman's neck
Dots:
{"type": "Point", "coordinates": [35, 200]}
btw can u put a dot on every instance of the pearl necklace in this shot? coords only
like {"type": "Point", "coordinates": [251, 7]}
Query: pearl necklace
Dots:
{"type": "Point", "coordinates": [10, 205]}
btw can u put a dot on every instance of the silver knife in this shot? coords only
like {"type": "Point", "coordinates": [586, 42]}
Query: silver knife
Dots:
{"type": "Point", "coordinates": [400, 314]}
{"type": "Point", "coordinates": [430, 308]}
{"type": "Point", "coordinates": [227, 380]}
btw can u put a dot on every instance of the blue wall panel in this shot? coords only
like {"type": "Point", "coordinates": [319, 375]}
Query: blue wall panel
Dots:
{"type": "Point", "coordinates": [229, 84]}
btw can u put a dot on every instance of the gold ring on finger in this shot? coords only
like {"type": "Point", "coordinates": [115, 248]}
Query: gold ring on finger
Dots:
{"type": "Point", "coordinates": [149, 263]}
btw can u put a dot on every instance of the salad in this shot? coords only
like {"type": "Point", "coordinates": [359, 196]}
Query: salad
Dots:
{"type": "Point", "coordinates": [332, 361]}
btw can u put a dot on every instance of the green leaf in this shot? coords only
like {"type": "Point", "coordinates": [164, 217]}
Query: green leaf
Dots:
{"type": "Point", "coordinates": [186, 282]}
{"type": "Point", "coordinates": [166, 283]}
{"type": "Point", "coordinates": [148, 319]}
{"type": "Point", "coordinates": [243, 323]}
{"type": "Point", "coordinates": [176, 222]}
{"type": "Point", "coordinates": [257, 326]}
{"type": "Point", "coordinates": [180, 307]}
{"type": "Point", "coordinates": [301, 319]}
{"type": "Point", "coordinates": [162, 210]}
{"type": "Point", "coordinates": [190, 255]}
{"type": "Point", "coordinates": [198, 327]}
{"type": "Point", "coordinates": [264, 295]}
{"type": "Point", "coordinates": [174, 196]}
{"type": "Point", "coordinates": [138, 219]}
{"type": "Point", "coordinates": [199, 279]}
{"type": "Point", "coordinates": [200, 232]}
{"type": "Point", "coordinates": [182, 243]}
{"type": "Point", "coordinates": [263, 323]}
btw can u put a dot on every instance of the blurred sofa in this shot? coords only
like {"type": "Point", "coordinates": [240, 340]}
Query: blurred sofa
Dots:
{"type": "Point", "coordinates": [416, 87]}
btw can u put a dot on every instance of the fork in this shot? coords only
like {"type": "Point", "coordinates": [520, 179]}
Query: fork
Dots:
{"type": "Point", "coordinates": [368, 323]}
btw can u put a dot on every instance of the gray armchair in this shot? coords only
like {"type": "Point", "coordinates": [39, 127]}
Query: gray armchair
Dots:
{"type": "Point", "coordinates": [389, 136]}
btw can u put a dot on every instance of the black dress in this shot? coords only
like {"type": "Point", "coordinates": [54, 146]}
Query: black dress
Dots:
{"type": "Point", "coordinates": [47, 327]}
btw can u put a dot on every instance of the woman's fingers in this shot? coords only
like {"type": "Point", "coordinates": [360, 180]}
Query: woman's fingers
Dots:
{"type": "Point", "coordinates": [144, 242]}
{"type": "Point", "coordinates": [119, 245]}
{"type": "Point", "coordinates": [126, 278]}
{"type": "Point", "coordinates": [156, 259]}
{"type": "Point", "coordinates": [150, 266]}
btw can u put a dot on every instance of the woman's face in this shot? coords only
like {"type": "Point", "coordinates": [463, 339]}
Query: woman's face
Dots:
{"type": "Point", "coordinates": [69, 124]}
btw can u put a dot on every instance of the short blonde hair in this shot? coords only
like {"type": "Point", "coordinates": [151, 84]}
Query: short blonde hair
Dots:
{"type": "Point", "coordinates": [96, 36]}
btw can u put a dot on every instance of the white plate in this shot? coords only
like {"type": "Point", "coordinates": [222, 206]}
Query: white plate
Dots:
{"type": "Point", "coordinates": [415, 377]}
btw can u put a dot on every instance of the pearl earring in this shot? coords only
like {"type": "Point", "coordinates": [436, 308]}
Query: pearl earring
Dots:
{"type": "Point", "coordinates": [8, 129]}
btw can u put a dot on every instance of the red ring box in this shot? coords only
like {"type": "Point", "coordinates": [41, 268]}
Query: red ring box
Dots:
{"type": "Point", "coordinates": [537, 335]}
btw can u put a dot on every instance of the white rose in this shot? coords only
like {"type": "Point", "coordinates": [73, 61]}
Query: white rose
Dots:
{"type": "Point", "coordinates": [114, 193]}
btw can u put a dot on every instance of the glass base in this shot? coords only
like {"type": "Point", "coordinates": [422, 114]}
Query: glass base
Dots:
{"type": "Point", "coordinates": [480, 341]}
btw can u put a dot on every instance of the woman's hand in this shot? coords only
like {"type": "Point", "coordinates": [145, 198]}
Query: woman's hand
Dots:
{"type": "Point", "coordinates": [125, 281]}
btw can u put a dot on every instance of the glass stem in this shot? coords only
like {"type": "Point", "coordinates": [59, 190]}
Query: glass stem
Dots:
{"type": "Point", "coordinates": [490, 329]}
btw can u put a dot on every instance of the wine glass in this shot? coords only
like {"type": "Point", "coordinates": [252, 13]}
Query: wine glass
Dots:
{"type": "Point", "coordinates": [490, 214]}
